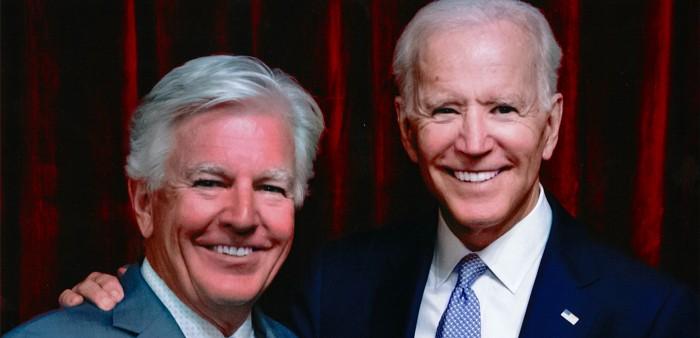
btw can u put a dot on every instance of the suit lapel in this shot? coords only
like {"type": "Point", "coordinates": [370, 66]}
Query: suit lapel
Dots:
{"type": "Point", "coordinates": [261, 326]}
{"type": "Point", "coordinates": [161, 327]}
{"type": "Point", "coordinates": [559, 306]}
{"type": "Point", "coordinates": [396, 305]}
{"type": "Point", "coordinates": [141, 312]}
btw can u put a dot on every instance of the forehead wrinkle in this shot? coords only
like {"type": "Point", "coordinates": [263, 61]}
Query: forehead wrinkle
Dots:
{"type": "Point", "coordinates": [432, 94]}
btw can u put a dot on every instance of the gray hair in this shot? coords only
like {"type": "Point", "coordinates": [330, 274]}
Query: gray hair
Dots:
{"type": "Point", "coordinates": [206, 82]}
{"type": "Point", "coordinates": [449, 14]}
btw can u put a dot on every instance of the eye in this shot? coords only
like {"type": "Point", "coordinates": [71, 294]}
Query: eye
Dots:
{"type": "Point", "coordinates": [273, 189]}
{"type": "Point", "coordinates": [444, 110]}
{"type": "Point", "coordinates": [504, 109]}
{"type": "Point", "coordinates": [207, 183]}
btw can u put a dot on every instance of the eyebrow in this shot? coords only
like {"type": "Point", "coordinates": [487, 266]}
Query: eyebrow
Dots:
{"type": "Point", "coordinates": [205, 168]}
{"type": "Point", "coordinates": [277, 174]}
{"type": "Point", "coordinates": [511, 99]}
{"type": "Point", "coordinates": [440, 97]}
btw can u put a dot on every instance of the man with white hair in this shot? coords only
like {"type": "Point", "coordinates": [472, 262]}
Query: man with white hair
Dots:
{"type": "Point", "coordinates": [221, 152]}
{"type": "Point", "coordinates": [478, 112]}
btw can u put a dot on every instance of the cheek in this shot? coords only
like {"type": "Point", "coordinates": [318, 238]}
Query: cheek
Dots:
{"type": "Point", "coordinates": [521, 139]}
{"type": "Point", "coordinates": [434, 139]}
{"type": "Point", "coordinates": [195, 212]}
{"type": "Point", "coordinates": [279, 220]}
{"type": "Point", "coordinates": [285, 228]}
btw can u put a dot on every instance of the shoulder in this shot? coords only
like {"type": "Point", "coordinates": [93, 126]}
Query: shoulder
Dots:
{"type": "Point", "coordinates": [340, 292]}
{"type": "Point", "coordinates": [622, 289]}
{"type": "Point", "coordinates": [377, 247]}
{"type": "Point", "coordinates": [85, 320]}
{"type": "Point", "coordinates": [588, 258]}
{"type": "Point", "coordinates": [138, 308]}
{"type": "Point", "coordinates": [359, 263]}
{"type": "Point", "coordinates": [640, 298]}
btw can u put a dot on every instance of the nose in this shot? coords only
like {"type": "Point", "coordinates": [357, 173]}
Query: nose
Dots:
{"type": "Point", "coordinates": [474, 138]}
{"type": "Point", "coordinates": [239, 212]}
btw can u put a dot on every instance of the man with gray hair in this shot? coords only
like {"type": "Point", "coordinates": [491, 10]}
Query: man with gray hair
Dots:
{"type": "Point", "coordinates": [478, 112]}
{"type": "Point", "coordinates": [221, 152]}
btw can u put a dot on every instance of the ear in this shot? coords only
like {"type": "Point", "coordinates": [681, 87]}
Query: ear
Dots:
{"type": "Point", "coordinates": [142, 202]}
{"type": "Point", "coordinates": [408, 137]}
{"type": "Point", "coordinates": [551, 132]}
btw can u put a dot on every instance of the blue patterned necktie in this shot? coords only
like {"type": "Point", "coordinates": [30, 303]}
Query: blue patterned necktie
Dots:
{"type": "Point", "coordinates": [462, 318]}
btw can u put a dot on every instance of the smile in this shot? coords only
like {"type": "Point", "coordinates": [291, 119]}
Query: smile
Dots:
{"type": "Point", "coordinates": [232, 250]}
{"type": "Point", "coordinates": [476, 177]}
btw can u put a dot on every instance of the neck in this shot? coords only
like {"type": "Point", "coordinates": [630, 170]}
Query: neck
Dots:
{"type": "Point", "coordinates": [228, 326]}
{"type": "Point", "coordinates": [476, 238]}
{"type": "Point", "coordinates": [225, 316]}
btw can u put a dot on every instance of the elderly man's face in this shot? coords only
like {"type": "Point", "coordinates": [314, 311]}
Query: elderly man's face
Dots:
{"type": "Point", "coordinates": [479, 135]}
{"type": "Point", "coordinates": [219, 229]}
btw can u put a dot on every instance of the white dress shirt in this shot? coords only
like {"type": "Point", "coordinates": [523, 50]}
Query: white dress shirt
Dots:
{"type": "Point", "coordinates": [190, 323]}
{"type": "Point", "coordinates": [504, 290]}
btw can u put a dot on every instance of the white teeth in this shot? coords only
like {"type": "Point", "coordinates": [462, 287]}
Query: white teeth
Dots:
{"type": "Point", "coordinates": [475, 177]}
{"type": "Point", "coordinates": [232, 250]}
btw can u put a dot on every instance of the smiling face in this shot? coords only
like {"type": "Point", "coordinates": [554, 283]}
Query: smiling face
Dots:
{"type": "Point", "coordinates": [476, 129]}
{"type": "Point", "coordinates": [222, 224]}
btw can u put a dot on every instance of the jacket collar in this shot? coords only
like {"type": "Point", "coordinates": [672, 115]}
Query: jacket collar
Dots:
{"type": "Point", "coordinates": [267, 328]}
{"type": "Point", "coordinates": [566, 270]}
{"type": "Point", "coordinates": [141, 312]}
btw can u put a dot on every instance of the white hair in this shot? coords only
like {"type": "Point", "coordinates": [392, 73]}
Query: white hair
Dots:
{"type": "Point", "coordinates": [450, 14]}
{"type": "Point", "coordinates": [206, 82]}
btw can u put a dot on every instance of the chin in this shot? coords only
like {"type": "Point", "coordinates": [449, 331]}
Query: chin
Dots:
{"type": "Point", "coordinates": [233, 291]}
{"type": "Point", "coordinates": [477, 216]}
{"type": "Point", "coordinates": [472, 223]}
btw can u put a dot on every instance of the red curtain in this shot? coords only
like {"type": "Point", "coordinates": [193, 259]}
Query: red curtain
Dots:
{"type": "Point", "coordinates": [627, 163]}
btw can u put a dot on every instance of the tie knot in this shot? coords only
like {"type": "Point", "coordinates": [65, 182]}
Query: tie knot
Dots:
{"type": "Point", "coordinates": [469, 269]}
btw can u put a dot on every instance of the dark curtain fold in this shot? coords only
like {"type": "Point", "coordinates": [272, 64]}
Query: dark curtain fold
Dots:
{"type": "Point", "coordinates": [627, 162]}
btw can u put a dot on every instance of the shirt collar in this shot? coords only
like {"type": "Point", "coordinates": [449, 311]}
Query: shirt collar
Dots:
{"type": "Point", "coordinates": [191, 324]}
{"type": "Point", "coordinates": [509, 257]}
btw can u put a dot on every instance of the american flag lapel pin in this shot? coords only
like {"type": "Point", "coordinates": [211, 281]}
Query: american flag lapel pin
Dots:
{"type": "Point", "coordinates": [570, 317]}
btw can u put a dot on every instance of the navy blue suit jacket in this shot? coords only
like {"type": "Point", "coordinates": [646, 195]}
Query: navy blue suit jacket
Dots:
{"type": "Point", "coordinates": [371, 286]}
{"type": "Point", "coordinates": [140, 314]}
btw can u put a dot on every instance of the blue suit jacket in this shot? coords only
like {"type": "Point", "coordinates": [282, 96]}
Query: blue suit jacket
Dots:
{"type": "Point", "coordinates": [371, 286]}
{"type": "Point", "coordinates": [140, 314]}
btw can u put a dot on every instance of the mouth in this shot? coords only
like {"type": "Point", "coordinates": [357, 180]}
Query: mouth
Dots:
{"type": "Point", "coordinates": [232, 250]}
{"type": "Point", "coordinates": [476, 176]}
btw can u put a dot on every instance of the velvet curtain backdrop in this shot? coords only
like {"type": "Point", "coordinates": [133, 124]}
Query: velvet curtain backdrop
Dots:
{"type": "Point", "coordinates": [627, 163]}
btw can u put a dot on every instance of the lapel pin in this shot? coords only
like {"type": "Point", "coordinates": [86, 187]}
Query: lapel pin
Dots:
{"type": "Point", "coordinates": [570, 317]}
